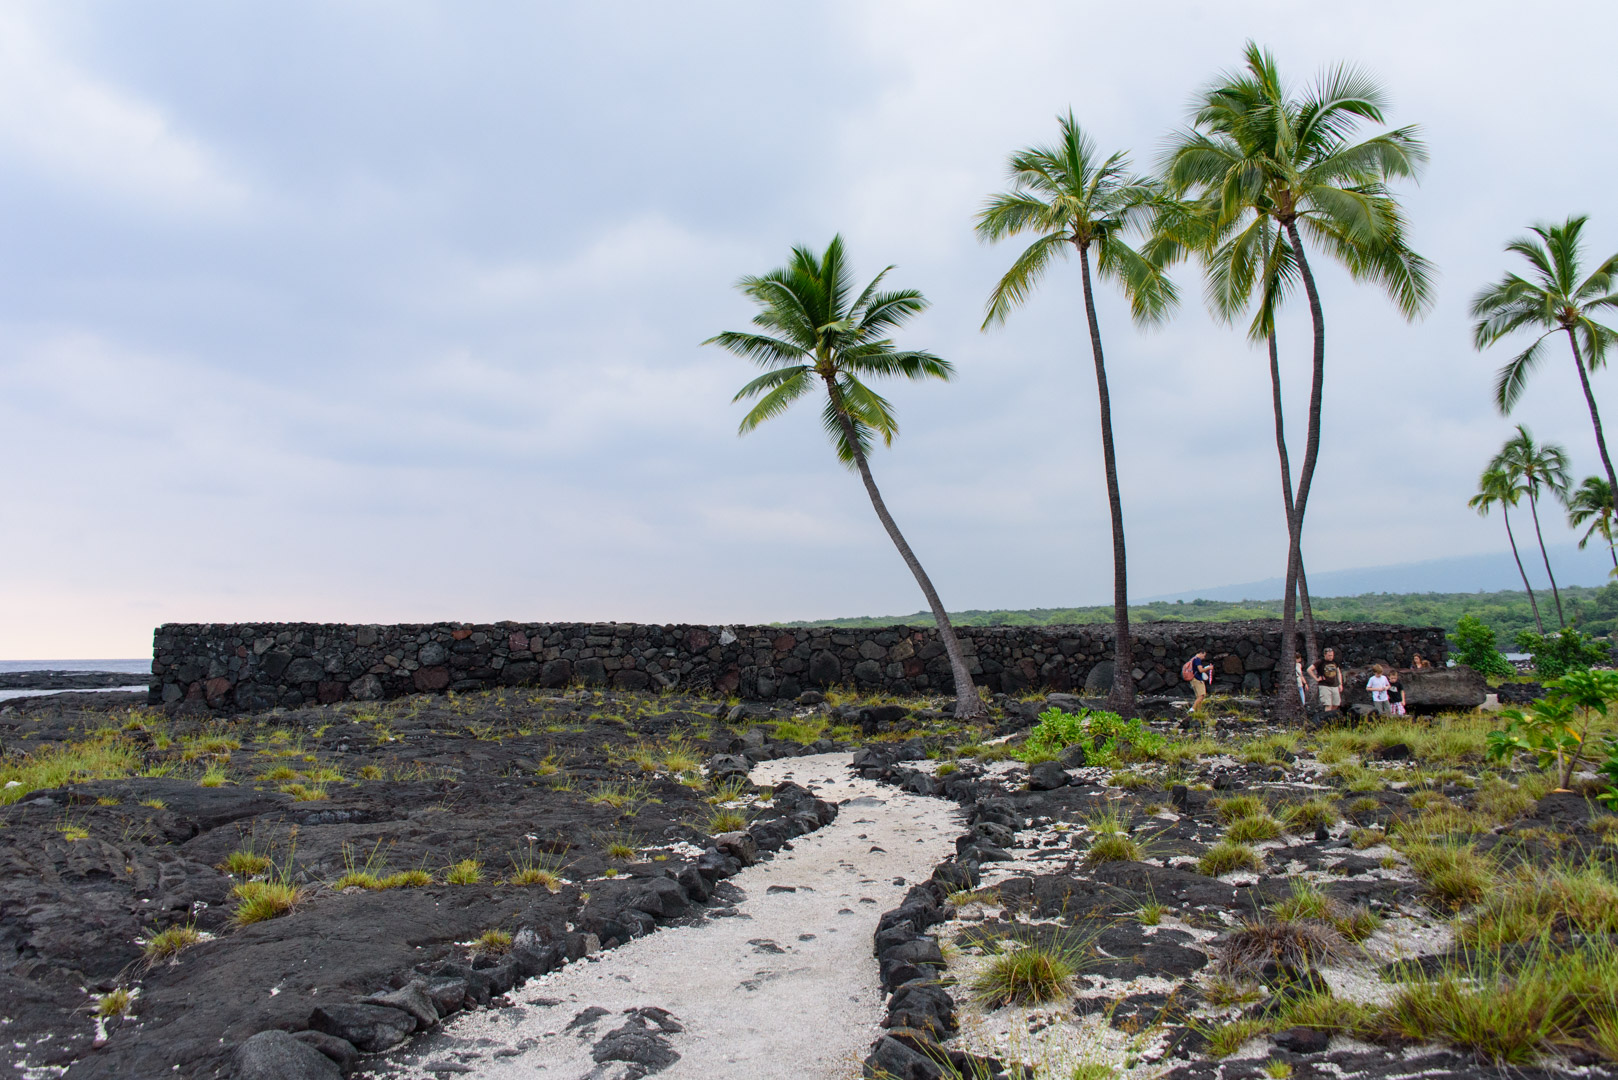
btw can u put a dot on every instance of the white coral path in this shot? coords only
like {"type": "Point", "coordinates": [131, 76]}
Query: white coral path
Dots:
{"type": "Point", "coordinates": [810, 1010]}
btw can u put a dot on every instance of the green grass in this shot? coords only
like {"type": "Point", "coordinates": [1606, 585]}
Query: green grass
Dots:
{"type": "Point", "coordinates": [1536, 904]}
{"type": "Point", "coordinates": [114, 1002]}
{"type": "Point", "coordinates": [493, 942]}
{"type": "Point", "coordinates": [171, 942]}
{"type": "Point", "coordinates": [257, 901]}
{"type": "Point", "coordinates": [464, 872]}
{"type": "Point", "coordinates": [1238, 807]}
{"type": "Point", "coordinates": [723, 820]}
{"type": "Point", "coordinates": [406, 879]}
{"type": "Point", "coordinates": [536, 869]}
{"type": "Point", "coordinates": [1226, 857]}
{"type": "Point", "coordinates": [100, 759]}
{"type": "Point", "coordinates": [1254, 829]}
{"type": "Point", "coordinates": [1309, 815]}
{"type": "Point", "coordinates": [1454, 875]}
{"type": "Point", "coordinates": [1024, 976]}
{"type": "Point", "coordinates": [246, 863]}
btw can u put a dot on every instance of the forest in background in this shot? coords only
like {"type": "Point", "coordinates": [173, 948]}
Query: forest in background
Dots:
{"type": "Point", "coordinates": [1595, 610]}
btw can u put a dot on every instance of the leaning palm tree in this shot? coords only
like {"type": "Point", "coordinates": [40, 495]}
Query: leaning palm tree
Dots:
{"type": "Point", "coordinates": [1537, 468]}
{"type": "Point", "coordinates": [817, 333]}
{"type": "Point", "coordinates": [1072, 200]}
{"type": "Point", "coordinates": [1497, 488]}
{"type": "Point", "coordinates": [1591, 502]}
{"type": "Point", "coordinates": [1257, 154]}
{"type": "Point", "coordinates": [1557, 299]}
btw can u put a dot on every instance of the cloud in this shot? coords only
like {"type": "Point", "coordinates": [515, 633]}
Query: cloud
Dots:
{"type": "Point", "coordinates": [73, 127]}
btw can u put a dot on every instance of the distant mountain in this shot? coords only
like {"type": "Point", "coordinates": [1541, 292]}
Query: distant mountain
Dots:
{"type": "Point", "coordinates": [1454, 574]}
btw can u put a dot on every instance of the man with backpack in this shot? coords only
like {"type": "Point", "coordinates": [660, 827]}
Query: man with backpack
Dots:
{"type": "Point", "coordinates": [1199, 673]}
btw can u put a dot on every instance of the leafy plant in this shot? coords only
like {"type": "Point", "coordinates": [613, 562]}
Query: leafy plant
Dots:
{"type": "Point", "coordinates": [1099, 731]}
{"type": "Point", "coordinates": [1554, 727]}
{"type": "Point", "coordinates": [1475, 648]}
{"type": "Point", "coordinates": [1558, 653]}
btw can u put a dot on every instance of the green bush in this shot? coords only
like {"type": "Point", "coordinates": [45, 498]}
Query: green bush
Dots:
{"type": "Point", "coordinates": [1558, 653]}
{"type": "Point", "coordinates": [1098, 730]}
{"type": "Point", "coordinates": [1475, 648]}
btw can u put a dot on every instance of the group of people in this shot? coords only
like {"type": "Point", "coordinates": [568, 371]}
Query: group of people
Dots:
{"type": "Point", "coordinates": [1387, 696]}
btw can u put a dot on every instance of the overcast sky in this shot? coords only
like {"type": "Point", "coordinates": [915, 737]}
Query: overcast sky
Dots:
{"type": "Point", "coordinates": [391, 311]}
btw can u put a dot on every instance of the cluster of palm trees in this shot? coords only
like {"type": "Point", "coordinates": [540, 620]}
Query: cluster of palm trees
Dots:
{"type": "Point", "coordinates": [1262, 179]}
{"type": "Point", "coordinates": [1556, 298]}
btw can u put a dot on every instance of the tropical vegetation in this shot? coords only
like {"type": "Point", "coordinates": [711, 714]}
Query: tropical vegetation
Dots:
{"type": "Point", "coordinates": [815, 333]}
{"type": "Point", "coordinates": [1073, 200]}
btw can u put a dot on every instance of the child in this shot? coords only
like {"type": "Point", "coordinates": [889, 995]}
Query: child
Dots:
{"type": "Point", "coordinates": [1378, 684]}
{"type": "Point", "coordinates": [1396, 694]}
{"type": "Point", "coordinates": [1200, 674]}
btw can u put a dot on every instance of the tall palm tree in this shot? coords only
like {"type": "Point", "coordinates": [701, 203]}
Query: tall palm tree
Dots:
{"type": "Point", "coordinates": [1497, 488]}
{"type": "Point", "coordinates": [1536, 467]}
{"type": "Point", "coordinates": [1260, 154]}
{"type": "Point", "coordinates": [1591, 502]}
{"type": "Point", "coordinates": [1237, 257]}
{"type": "Point", "coordinates": [817, 333]}
{"type": "Point", "coordinates": [1557, 299]}
{"type": "Point", "coordinates": [1072, 200]}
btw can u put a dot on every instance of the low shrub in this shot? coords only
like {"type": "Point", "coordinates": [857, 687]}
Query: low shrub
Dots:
{"type": "Point", "coordinates": [1226, 857]}
{"type": "Point", "coordinates": [1025, 976]}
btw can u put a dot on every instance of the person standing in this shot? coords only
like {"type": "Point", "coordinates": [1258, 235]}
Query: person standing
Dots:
{"type": "Point", "coordinates": [1378, 685]}
{"type": "Point", "coordinates": [1396, 694]}
{"type": "Point", "coordinates": [1329, 678]}
{"type": "Point", "coordinates": [1200, 674]}
{"type": "Point", "coordinates": [1303, 684]}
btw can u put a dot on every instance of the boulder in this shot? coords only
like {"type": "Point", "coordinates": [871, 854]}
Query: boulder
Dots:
{"type": "Point", "coordinates": [1046, 776]}
{"type": "Point", "coordinates": [413, 999]}
{"type": "Point", "coordinates": [722, 767]}
{"type": "Point", "coordinates": [371, 1028]}
{"type": "Point", "coordinates": [1099, 681]}
{"type": "Point", "coordinates": [339, 1050]}
{"type": "Point", "coordinates": [275, 1055]}
{"type": "Point", "coordinates": [1444, 688]}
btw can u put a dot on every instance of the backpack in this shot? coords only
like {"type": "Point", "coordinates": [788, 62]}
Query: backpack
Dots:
{"type": "Point", "coordinates": [1185, 670]}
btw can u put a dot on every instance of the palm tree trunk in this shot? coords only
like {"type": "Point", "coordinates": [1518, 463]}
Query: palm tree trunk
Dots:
{"type": "Point", "coordinates": [1306, 475]}
{"type": "Point", "coordinates": [1595, 416]}
{"type": "Point", "coordinates": [1533, 508]}
{"type": "Point", "coordinates": [1538, 625]}
{"type": "Point", "coordinates": [1311, 640]}
{"type": "Point", "coordinates": [968, 706]}
{"type": "Point", "coordinates": [1121, 699]}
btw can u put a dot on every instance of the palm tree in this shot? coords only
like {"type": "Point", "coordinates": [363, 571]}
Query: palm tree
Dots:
{"type": "Point", "coordinates": [1267, 162]}
{"type": "Point", "coordinates": [1071, 199]}
{"type": "Point", "coordinates": [1555, 300]}
{"type": "Point", "coordinates": [1496, 487]}
{"type": "Point", "coordinates": [1535, 467]}
{"type": "Point", "coordinates": [816, 332]}
{"type": "Point", "coordinates": [1592, 501]}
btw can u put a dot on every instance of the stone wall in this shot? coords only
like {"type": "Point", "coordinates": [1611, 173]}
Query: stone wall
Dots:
{"type": "Point", "coordinates": [245, 667]}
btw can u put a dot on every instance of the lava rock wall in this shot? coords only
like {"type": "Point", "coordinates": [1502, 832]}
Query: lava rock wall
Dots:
{"type": "Point", "coordinates": [247, 667]}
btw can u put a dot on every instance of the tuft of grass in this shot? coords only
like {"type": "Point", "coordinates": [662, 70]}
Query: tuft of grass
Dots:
{"type": "Point", "coordinates": [154, 804]}
{"type": "Point", "coordinates": [1277, 1069]}
{"type": "Point", "coordinates": [257, 901]}
{"type": "Point", "coordinates": [72, 830]}
{"type": "Point", "coordinates": [246, 863]}
{"type": "Point", "coordinates": [213, 777]}
{"type": "Point", "coordinates": [493, 942]}
{"type": "Point", "coordinates": [624, 797]}
{"type": "Point", "coordinates": [1024, 976]}
{"type": "Point", "coordinates": [1225, 1039]}
{"type": "Point", "coordinates": [370, 772]}
{"type": "Point", "coordinates": [1112, 847]}
{"type": "Point", "coordinates": [1308, 902]}
{"type": "Point", "coordinates": [1254, 829]}
{"type": "Point", "coordinates": [279, 775]}
{"type": "Point", "coordinates": [1226, 857]}
{"type": "Point", "coordinates": [1310, 815]}
{"type": "Point", "coordinates": [1238, 807]}
{"type": "Point", "coordinates": [1297, 944]}
{"type": "Point", "coordinates": [1455, 875]}
{"type": "Point", "coordinates": [725, 819]}
{"type": "Point", "coordinates": [406, 879]}
{"type": "Point", "coordinates": [114, 1002]}
{"type": "Point", "coordinates": [1150, 913]}
{"type": "Point", "coordinates": [730, 791]}
{"type": "Point", "coordinates": [800, 731]}
{"type": "Point", "coordinates": [214, 745]}
{"type": "Point", "coordinates": [465, 872]}
{"type": "Point", "coordinates": [536, 869]}
{"type": "Point", "coordinates": [165, 944]}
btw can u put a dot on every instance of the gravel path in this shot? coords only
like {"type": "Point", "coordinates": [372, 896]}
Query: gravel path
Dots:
{"type": "Point", "coordinates": [785, 987]}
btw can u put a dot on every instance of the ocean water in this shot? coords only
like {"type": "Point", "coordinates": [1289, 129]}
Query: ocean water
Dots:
{"type": "Point", "coordinates": [138, 666]}
{"type": "Point", "coordinates": [138, 670]}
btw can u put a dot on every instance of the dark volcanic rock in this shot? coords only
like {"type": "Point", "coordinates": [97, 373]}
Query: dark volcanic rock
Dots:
{"type": "Point", "coordinates": [371, 1028]}
{"type": "Point", "coordinates": [275, 1055]}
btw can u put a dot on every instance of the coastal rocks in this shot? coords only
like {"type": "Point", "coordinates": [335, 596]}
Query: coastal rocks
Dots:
{"type": "Point", "coordinates": [370, 1028]}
